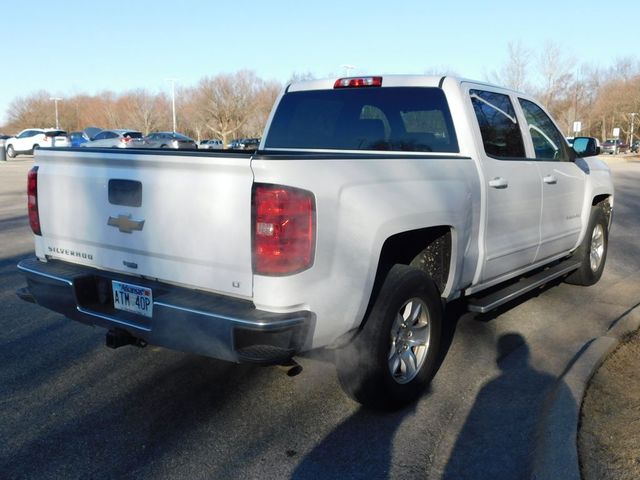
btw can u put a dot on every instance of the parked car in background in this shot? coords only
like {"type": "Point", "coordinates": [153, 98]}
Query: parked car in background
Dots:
{"type": "Point", "coordinates": [614, 146]}
{"type": "Point", "coordinates": [635, 147]}
{"type": "Point", "coordinates": [211, 145]}
{"type": "Point", "coordinates": [249, 143]}
{"type": "Point", "coordinates": [164, 140]}
{"type": "Point", "coordinates": [32, 138]}
{"type": "Point", "coordinates": [235, 144]}
{"type": "Point", "coordinates": [244, 144]}
{"type": "Point", "coordinates": [78, 138]}
{"type": "Point", "coordinates": [112, 139]}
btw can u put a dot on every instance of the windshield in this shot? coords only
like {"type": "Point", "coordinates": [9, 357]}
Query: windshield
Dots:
{"type": "Point", "coordinates": [392, 119]}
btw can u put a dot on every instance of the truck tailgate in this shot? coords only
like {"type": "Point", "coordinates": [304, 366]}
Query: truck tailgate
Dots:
{"type": "Point", "coordinates": [175, 217]}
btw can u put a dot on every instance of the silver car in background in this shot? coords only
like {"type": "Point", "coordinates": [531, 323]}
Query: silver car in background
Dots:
{"type": "Point", "coordinates": [211, 145]}
{"type": "Point", "coordinates": [164, 140]}
{"type": "Point", "coordinates": [113, 139]}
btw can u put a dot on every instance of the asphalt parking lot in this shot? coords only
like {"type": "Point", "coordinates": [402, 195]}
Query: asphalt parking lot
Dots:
{"type": "Point", "coordinates": [75, 409]}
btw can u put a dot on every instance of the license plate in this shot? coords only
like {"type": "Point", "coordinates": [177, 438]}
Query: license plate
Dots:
{"type": "Point", "coordinates": [132, 298]}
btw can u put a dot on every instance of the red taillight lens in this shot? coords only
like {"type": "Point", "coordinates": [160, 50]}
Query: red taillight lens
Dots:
{"type": "Point", "coordinates": [32, 200]}
{"type": "Point", "coordinates": [356, 82]}
{"type": "Point", "coordinates": [283, 230]}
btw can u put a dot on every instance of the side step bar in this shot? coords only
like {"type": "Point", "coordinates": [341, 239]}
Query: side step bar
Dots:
{"type": "Point", "coordinates": [495, 299]}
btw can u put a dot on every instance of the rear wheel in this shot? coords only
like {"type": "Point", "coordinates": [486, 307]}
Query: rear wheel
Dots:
{"type": "Point", "coordinates": [592, 252]}
{"type": "Point", "coordinates": [35, 147]}
{"type": "Point", "coordinates": [394, 357]}
{"type": "Point", "coordinates": [11, 153]}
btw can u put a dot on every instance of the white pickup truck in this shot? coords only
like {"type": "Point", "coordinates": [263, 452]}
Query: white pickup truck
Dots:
{"type": "Point", "coordinates": [370, 203]}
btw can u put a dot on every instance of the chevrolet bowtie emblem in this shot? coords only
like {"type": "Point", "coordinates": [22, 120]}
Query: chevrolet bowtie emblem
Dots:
{"type": "Point", "coordinates": [125, 224]}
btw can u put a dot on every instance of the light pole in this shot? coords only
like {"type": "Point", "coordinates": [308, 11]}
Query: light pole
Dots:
{"type": "Point", "coordinates": [633, 115]}
{"type": "Point", "coordinates": [347, 69]}
{"type": "Point", "coordinates": [173, 100]}
{"type": "Point", "coordinates": [55, 101]}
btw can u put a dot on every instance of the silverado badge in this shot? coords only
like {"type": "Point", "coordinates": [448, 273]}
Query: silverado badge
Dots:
{"type": "Point", "coordinates": [125, 224]}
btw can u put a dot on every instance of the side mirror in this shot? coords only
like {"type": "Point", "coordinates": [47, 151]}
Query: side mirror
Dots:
{"type": "Point", "coordinates": [586, 146]}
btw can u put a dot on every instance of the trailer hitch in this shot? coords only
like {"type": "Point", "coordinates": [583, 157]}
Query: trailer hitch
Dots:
{"type": "Point", "coordinates": [119, 338]}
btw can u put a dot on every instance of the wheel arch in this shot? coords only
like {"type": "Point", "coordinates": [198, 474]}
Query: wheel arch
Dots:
{"type": "Point", "coordinates": [604, 200]}
{"type": "Point", "coordinates": [428, 249]}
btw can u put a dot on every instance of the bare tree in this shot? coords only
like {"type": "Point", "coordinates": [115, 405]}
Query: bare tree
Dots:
{"type": "Point", "coordinates": [193, 121]}
{"type": "Point", "coordinates": [556, 72]}
{"type": "Point", "coordinates": [35, 110]}
{"type": "Point", "coordinates": [514, 73]}
{"type": "Point", "coordinates": [227, 102]}
{"type": "Point", "coordinates": [301, 77]}
{"type": "Point", "coordinates": [145, 111]}
{"type": "Point", "coordinates": [265, 97]}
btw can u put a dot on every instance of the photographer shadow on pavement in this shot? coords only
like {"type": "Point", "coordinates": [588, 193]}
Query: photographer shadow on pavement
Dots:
{"type": "Point", "coordinates": [499, 437]}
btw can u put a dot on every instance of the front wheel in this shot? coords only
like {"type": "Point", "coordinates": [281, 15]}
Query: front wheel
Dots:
{"type": "Point", "coordinates": [592, 252]}
{"type": "Point", "coordinates": [394, 356]}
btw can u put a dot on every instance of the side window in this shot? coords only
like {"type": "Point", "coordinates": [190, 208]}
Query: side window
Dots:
{"type": "Point", "coordinates": [111, 135]}
{"type": "Point", "coordinates": [548, 142]}
{"type": "Point", "coordinates": [100, 136]}
{"type": "Point", "coordinates": [499, 128]}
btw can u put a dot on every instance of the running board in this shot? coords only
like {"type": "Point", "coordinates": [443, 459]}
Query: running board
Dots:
{"type": "Point", "coordinates": [495, 299]}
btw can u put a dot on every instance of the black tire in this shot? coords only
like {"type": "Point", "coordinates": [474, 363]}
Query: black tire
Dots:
{"type": "Point", "coordinates": [164, 146]}
{"type": "Point", "coordinates": [33, 150]}
{"type": "Point", "coordinates": [11, 153]}
{"type": "Point", "coordinates": [592, 252]}
{"type": "Point", "coordinates": [365, 365]}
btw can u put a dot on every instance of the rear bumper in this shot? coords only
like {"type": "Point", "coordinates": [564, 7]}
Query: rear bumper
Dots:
{"type": "Point", "coordinates": [183, 319]}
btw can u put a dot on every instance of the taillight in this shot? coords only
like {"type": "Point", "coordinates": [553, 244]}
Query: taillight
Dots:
{"type": "Point", "coordinates": [358, 82]}
{"type": "Point", "coordinates": [32, 200]}
{"type": "Point", "coordinates": [283, 230]}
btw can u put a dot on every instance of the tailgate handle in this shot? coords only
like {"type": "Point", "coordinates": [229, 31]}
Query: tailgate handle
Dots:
{"type": "Point", "coordinates": [127, 193]}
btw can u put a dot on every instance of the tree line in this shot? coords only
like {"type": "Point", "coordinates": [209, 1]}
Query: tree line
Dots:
{"type": "Point", "coordinates": [236, 105]}
{"type": "Point", "coordinates": [224, 106]}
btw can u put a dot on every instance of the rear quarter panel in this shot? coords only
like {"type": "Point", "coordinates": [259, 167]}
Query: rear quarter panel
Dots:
{"type": "Point", "coordinates": [359, 204]}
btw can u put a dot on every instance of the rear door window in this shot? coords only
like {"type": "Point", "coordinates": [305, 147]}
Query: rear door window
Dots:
{"type": "Point", "coordinates": [388, 118]}
{"type": "Point", "coordinates": [498, 123]}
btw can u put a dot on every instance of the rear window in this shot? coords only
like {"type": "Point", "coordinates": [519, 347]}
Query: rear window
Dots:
{"type": "Point", "coordinates": [392, 119]}
{"type": "Point", "coordinates": [132, 134]}
{"type": "Point", "coordinates": [181, 137]}
{"type": "Point", "coordinates": [54, 133]}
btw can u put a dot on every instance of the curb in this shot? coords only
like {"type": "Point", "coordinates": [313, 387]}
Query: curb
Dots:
{"type": "Point", "coordinates": [556, 453]}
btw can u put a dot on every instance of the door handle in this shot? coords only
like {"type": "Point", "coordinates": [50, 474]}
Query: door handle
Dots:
{"type": "Point", "coordinates": [499, 182]}
{"type": "Point", "coordinates": [550, 179]}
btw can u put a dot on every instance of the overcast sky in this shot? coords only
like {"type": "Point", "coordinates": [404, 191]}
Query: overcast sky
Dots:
{"type": "Point", "coordinates": [71, 47]}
